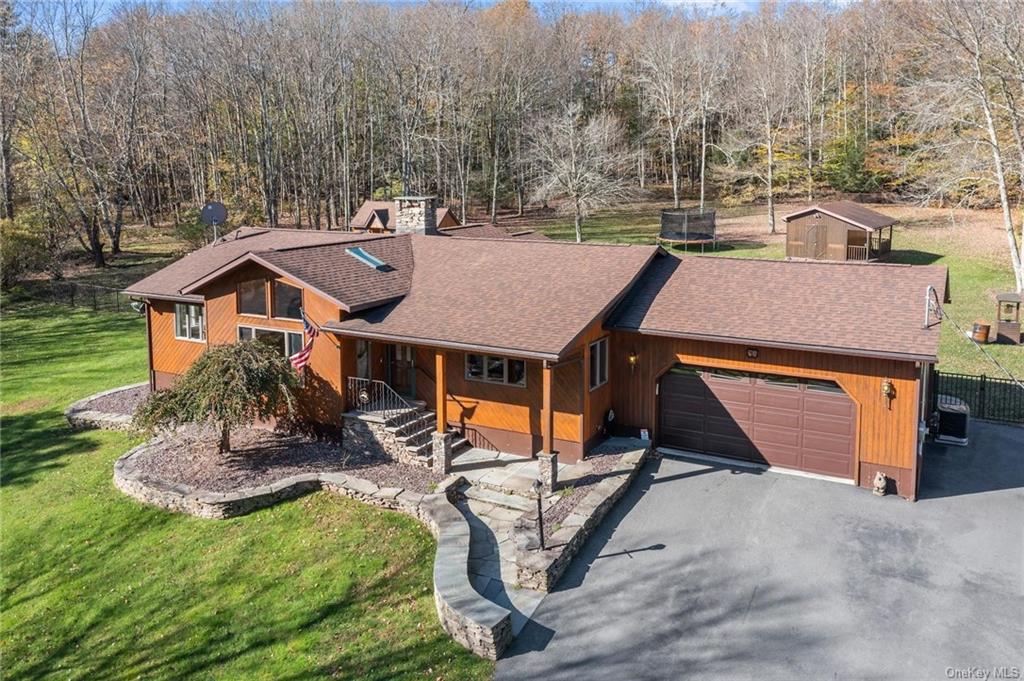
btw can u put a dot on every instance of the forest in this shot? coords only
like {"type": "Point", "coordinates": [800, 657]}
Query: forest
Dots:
{"type": "Point", "coordinates": [293, 113]}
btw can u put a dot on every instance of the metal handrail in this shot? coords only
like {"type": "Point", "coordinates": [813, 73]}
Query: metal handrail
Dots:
{"type": "Point", "coordinates": [376, 397]}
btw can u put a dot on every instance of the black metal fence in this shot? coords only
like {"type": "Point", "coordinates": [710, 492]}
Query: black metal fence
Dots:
{"type": "Point", "coordinates": [76, 294]}
{"type": "Point", "coordinates": [991, 399]}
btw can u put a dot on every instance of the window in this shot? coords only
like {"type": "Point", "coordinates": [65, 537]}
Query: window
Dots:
{"type": "Point", "coordinates": [781, 381]}
{"type": "Point", "coordinates": [598, 363]}
{"type": "Point", "coordinates": [493, 369]}
{"type": "Point", "coordinates": [729, 374]}
{"type": "Point", "coordinates": [288, 342]}
{"type": "Point", "coordinates": [287, 301]}
{"type": "Point", "coordinates": [188, 322]}
{"type": "Point", "coordinates": [252, 297]}
{"type": "Point", "coordinates": [825, 386]}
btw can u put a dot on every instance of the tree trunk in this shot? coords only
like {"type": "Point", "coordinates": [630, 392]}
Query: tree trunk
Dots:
{"type": "Point", "coordinates": [675, 166]}
{"type": "Point", "coordinates": [1016, 256]}
{"type": "Point", "coordinates": [578, 223]}
{"type": "Point", "coordinates": [703, 152]}
{"type": "Point", "coordinates": [225, 439]}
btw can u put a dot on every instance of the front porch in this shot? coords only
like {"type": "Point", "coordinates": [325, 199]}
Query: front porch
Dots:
{"type": "Point", "coordinates": [413, 395]}
{"type": "Point", "coordinates": [866, 246]}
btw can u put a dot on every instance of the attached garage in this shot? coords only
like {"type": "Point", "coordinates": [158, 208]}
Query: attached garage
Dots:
{"type": "Point", "coordinates": [806, 365]}
{"type": "Point", "coordinates": [798, 423]}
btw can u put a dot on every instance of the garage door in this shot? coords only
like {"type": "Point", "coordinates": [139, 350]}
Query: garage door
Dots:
{"type": "Point", "coordinates": [783, 421]}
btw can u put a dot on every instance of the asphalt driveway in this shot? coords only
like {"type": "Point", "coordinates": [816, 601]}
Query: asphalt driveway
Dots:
{"type": "Point", "coordinates": [709, 572]}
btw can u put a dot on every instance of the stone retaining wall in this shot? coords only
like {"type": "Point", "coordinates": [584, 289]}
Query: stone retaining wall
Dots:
{"type": "Point", "coordinates": [483, 627]}
{"type": "Point", "coordinates": [360, 433]}
{"type": "Point", "coordinates": [541, 570]}
{"type": "Point", "coordinates": [79, 415]}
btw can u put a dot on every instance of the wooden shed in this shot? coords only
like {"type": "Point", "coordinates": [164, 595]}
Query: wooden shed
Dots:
{"type": "Point", "coordinates": [838, 230]}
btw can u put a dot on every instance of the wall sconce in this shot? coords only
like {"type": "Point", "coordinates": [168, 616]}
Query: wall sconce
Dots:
{"type": "Point", "coordinates": [888, 391]}
{"type": "Point", "coordinates": [632, 358]}
{"type": "Point", "coordinates": [751, 353]}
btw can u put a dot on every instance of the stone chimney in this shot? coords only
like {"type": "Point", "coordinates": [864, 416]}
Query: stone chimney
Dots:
{"type": "Point", "coordinates": [415, 215]}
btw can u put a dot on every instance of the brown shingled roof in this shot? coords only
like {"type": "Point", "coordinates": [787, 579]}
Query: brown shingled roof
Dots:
{"type": "Point", "coordinates": [813, 305]}
{"type": "Point", "coordinates": [169, 281]}
{"type": "Point", "coordinates": [491, 231]}
{"type": "Point", "coordinates": [518, 297]}
{"type": "Point", "coordinates": [849, 212]}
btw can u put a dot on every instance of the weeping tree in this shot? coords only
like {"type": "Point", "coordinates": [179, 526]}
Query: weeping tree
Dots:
{"type": "Point", "coordinates": [228, 386]}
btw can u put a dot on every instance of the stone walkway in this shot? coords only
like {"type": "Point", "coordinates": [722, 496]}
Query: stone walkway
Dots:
{"type": "Point", "coordinates": [500, 490]}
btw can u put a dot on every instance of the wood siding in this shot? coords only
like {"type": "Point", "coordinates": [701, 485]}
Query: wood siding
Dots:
{"type": "Point", "coordinates": [886, 433]}
{"type": "Point", "coordinates": [320, 399]}
{"type": "Point", "coordinates": [170, 356]}
{"type": "Point", "coordinates": [798, 244]}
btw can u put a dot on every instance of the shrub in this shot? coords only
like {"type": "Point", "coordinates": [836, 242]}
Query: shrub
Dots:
{"type": "Point", "coordinates": [228, 386]}
{"type": "Point", "coordinates": [21, 250]}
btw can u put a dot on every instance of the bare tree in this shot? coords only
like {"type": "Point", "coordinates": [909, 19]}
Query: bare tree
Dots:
{"type": "Point", "coordinates": [766, 68]}
{"type": "Point", "coordinates": [581, 161]}
{"type": "Point", "coordinates": [665, 69]}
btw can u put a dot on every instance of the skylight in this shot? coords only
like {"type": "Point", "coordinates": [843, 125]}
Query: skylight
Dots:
{"type": "Point", "coordinates": [367, 259]}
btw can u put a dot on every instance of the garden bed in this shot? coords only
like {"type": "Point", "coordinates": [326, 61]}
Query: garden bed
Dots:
{"type": "Point", "coordinates": [124, 401]}
{"type": "Point", "coordinates": [189, 456]}
{"type": "Point", "coordinates": [603, 459]}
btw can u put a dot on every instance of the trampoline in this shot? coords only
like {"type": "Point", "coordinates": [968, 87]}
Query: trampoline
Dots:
{"type": "Point", "coordinates": [688, 227]}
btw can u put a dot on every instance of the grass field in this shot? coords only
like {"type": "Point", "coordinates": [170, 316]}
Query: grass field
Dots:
{"type": "Point", "coordinates": [97, 586]}
{"type": "Point", "coordinates": [970, 243]}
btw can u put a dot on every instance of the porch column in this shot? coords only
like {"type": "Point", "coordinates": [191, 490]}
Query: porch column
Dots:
{"type": "Point", "coordinates": [441, 446]}
{"type": "Point", "coordinates": [441, 385]}
{"type": "Point", "coordinates": [547, 415]}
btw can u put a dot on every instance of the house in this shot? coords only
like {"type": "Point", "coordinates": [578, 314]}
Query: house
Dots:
{"type": "Point", "coordinates": [378, 216]}
{"type": "Point", "coordinates": [539, 346]}
{"type": "Point", "coordinates": [839, 230]}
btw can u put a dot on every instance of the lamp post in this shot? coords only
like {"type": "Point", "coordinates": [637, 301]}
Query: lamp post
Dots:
{"type": "Point", "coordinates": [538, 486]}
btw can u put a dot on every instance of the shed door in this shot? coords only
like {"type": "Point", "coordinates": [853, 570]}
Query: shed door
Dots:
{"type": "Point", "coordinates": [817, 240]}
{"type": "Point", "coordinates": [782, 421]}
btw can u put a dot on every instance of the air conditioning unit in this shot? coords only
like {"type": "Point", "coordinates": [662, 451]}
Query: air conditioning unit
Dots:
{"type": "Point", "coordinates": [954, 419]}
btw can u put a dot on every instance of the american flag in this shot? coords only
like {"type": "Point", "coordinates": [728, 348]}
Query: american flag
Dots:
{"type": "Point", "coordinates": [301, 358]}
{"type": "Point", "coordinates": [309, 327]}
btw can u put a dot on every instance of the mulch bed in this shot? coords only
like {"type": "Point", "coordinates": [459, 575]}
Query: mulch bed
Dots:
{"type": "Point", "coordinates": [259, 457]}
{"type": "Point", "coordinates": [122, 402]}
{"type": "Point", "coordinates": [604, 460]}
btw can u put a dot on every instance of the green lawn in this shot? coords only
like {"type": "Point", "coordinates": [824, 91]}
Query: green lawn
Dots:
{"type": "Point", "coordinates": [97, 586]}
{"type": "Point", "coordinates": [975, 277]}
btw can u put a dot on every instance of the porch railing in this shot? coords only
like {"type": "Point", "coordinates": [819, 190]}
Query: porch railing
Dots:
{"type": "Point", "coordinates": [856, 252]}
{"type": "Point", "coordinates": [375, 397]}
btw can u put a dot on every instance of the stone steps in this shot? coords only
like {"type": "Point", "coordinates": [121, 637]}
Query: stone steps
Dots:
{"type": "Point", "coordinates": [490, 496]}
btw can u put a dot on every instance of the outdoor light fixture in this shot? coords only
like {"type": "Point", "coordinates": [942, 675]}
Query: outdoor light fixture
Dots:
{"type": "Point", "coordinates": [538, 485]}
{"type": "Point", "coordinates": [888, 390]}
{"type": "Point", "coordinates": [751, 353]}
{"type": "Point", "coordinates": [632, 359]}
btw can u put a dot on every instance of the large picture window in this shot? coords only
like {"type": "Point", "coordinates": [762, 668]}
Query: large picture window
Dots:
{"type": "Point", "coordinates": [287, 301]}
{"type": "Point", "coordinates": [598, 363]}
{"type": "Point", "coordinates": [188, 322]}
{"type": "Point", "coordinates": [494, 369]}
{"type": "Point", "coordinates": [288, 342]}
{"type": "Point", "coordinates": [252, 297]}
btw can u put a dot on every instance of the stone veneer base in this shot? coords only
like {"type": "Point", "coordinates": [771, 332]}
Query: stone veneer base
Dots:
{"type": "Point", "coordinates": [79, 415]}
{"type": "Point", "coordinates": [541, 570]}
{"type": "Point", "coordinates": [478, 624]}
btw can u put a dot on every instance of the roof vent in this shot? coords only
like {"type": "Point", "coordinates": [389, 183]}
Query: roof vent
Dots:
{"type": "Point", "coordinates": [367, 259]}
